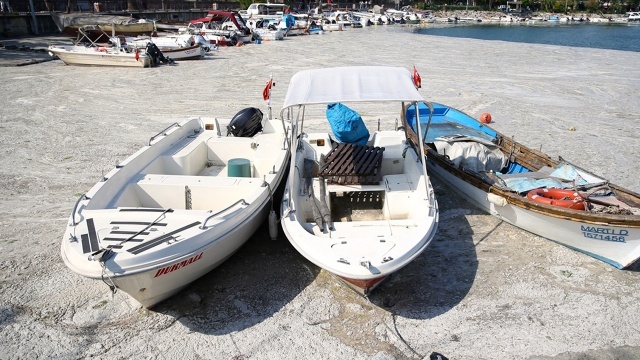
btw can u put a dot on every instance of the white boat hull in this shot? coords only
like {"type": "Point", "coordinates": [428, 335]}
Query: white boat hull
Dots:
{"type": "Point", "coordinates": [161, 282]}
{"type": "Point", "coordinates": [616, 245]}
{"type": "Point", "coordinates": [99, 58]}
{"type": "Point", "coordinates": [175, 210]}
{"type": "Point", "coordinates": [363, 251]}
{"type": "Point", "coordinates": [361, 207]}
{"type": "Point", "coordinates": [269, 35]}
{"type": "Point", "coordinates": [195, 52]}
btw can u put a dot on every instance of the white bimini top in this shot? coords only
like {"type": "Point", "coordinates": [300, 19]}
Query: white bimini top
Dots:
{"type": "Point", "coordinates": [351, 84]}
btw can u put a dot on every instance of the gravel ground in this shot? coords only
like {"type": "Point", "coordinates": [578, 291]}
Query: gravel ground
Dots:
{"type": "Point", "coordinates": [482, 290]}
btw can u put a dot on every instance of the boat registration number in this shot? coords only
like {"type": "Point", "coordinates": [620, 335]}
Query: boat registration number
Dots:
{"type": "Point", "coordinates": [606, 234]}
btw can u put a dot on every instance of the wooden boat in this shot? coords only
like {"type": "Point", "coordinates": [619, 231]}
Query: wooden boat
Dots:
{"type": "Point", "coordinates": [518, 185]}
{"type": "Point", "coordinates": [175, 209]}
{"type": "Point", "coordinates": [363, 210]}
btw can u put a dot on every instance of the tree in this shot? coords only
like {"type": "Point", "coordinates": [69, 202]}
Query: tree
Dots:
{"type": "Point", "coordinates": [548, 4]}
{"type": "Point", "coordinates": [592, 5]}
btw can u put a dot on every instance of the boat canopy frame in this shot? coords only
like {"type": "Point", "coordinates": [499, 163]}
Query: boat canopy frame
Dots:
{"type": "Point", "coordinates": [350, 84]}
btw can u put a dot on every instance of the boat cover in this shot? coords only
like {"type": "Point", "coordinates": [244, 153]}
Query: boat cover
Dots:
{"type": "Point", "coordinates": [472, 153]}
{"type": "Point", "coordinates": [347, 124]}
{"type": "Point", "coordinates": [80, 19]}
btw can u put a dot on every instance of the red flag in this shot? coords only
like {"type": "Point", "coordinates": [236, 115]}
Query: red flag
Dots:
{"type": "Point", "coordinates": [137, 55]}
{"type": "Point", "coordinates": [266, 93]}
{"type": "Point", "coordinates": [417, 80]}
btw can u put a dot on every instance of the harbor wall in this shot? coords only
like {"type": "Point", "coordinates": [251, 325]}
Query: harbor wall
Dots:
{"type": "Point", "coordinates": [22, 24]}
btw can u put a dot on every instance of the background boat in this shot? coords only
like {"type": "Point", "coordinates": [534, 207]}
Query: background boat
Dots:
{"type": "Point", "coordinates": [111, 24]}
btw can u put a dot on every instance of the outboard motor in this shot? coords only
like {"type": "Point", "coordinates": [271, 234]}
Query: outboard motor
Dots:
{"type": "Point", "coordinates": [156, 55]}
{"type": "Point", "coordinates": [233, 40]}
{"type": "Point", "coordinates": [246, 123]}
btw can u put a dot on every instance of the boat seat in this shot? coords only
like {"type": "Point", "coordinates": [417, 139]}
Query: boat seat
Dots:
{"type": "Point", "coordinates": [206, 192]}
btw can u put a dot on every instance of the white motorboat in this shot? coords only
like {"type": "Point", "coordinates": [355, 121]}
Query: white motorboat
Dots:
{"type": "Point", "coordinates": [169, 42]}
{"type": "Point", "coordinates": [344, 18]}
{"type": "Point", "coordinates": [266, 29]}
{"type": "Point", "coordinates": [177, 208]}
{"type": "Point", "coordinates": [361, 210]}
{"type": "Point", "coordinates": [100, 55]}
{"type": "Point", "coordinates": [176, 47]}
{"type": "Point", "coordinates": [328, 25]}
{"type": "Point", "coordinates": [632, 17]}
{"type": "Point", "coordinates": [113, 52]}
{"type": "Point", "coordinates": [195, 52]}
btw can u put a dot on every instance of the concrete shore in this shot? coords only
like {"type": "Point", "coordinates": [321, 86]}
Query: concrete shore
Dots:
{"type": "Point", "coordinates": [483, 290]}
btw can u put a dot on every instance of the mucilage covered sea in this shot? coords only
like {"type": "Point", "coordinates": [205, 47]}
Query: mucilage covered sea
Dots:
{"type": "Point", "coordinates": [600, 36]}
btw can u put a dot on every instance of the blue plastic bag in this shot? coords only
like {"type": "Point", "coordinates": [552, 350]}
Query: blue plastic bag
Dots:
{"type": "Point", "coordinates": [347, 125]}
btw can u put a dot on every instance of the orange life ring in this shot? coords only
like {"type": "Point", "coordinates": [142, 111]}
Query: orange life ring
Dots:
{"type": "Point", "coordinates": [558, 197]}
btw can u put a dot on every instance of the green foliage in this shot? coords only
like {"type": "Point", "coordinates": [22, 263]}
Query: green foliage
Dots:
{"type": "Point", "coordinates": [592, 5]}
{"type": "Point", "coordinates": [547, 5]}
{"type": "Point", "coordinates": [558, 7]}
{"type": "Point", "coordinates": [244, 4]}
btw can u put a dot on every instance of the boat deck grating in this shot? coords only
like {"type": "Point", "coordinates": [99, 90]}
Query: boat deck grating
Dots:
{"type": "Point", "coordinates": [353, 164]}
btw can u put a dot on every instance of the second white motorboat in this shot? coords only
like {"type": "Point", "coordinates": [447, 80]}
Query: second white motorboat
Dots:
{"type": "Point", "coordinates": [361, 208]}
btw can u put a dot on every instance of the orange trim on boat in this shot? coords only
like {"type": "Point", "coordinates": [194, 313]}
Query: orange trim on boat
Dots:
{"type": "Point", "coordinates": [558, 197]}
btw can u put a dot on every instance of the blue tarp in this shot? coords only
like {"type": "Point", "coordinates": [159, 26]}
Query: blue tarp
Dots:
{"type": "Point", "coordinates": [347, 125]}
{"type": "Point", "coordinates": [289, 20]}
{"type": "Point", "coordinates": [561, 178]}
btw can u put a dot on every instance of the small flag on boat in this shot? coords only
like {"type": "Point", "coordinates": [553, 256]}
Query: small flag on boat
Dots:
{"type": "Point", "coordinates": [137, 54]}
{"type": "Point", "coordinates": [417, 80]}
{"type": "Point", "coordinates": [266, 93]}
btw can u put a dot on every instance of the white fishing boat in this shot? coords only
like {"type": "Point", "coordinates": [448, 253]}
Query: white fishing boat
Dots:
{"type": "Point", "coordinates": [178, 207]}
{"type": "Point", "coordinates": [360, 209]}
